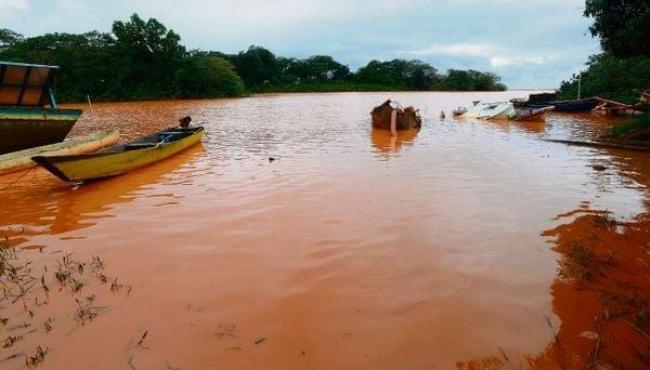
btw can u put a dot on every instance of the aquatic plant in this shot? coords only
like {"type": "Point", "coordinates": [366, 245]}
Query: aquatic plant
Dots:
{"type": "Point", "coordinates": [637, 129]}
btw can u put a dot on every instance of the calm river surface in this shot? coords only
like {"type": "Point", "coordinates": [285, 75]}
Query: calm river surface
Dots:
{"type": "Point", "coordinates": [350, 250]}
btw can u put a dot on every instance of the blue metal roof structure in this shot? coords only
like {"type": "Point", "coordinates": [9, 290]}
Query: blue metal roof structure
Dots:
{"type": "Point", "coordinates": [29, 85]}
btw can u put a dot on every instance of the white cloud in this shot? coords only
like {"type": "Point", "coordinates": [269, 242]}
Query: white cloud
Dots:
{"type": "Point", "coordinates": [460, 49]}
{"type": "Point", "coordinates": [505, 61]}
{"type": "Point", "coordinates": [496, 56]}
{"type": "Point", "coordinates": [22, 5]}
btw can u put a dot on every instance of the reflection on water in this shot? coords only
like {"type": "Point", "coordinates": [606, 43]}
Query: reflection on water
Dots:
{"type": "Point", "coordinates": [43, 205]}
{"type": "Point", "coordinates": [385, 142]}
{"type": "Point", "coordinates": [333, 257]}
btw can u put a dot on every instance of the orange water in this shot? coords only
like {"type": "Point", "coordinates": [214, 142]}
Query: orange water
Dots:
{"type": "Point", "coordinates": [351, 250]}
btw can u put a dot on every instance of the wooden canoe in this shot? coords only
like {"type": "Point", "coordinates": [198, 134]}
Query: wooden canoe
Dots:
{"type": "Point", "coordinates": [22, 159]}
{"type": "Point", "coordinates": [123, 158]}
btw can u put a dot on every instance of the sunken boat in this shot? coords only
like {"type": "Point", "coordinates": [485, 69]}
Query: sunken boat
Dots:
{"type": "Point", "coordinates": [29, 116]}
{"type": "Point", "coordinates": [407, 118]}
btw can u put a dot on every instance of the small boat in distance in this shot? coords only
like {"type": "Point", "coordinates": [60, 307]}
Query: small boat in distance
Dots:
{"type": "Point", "coordinates": [22, 159]}
{"type": "Point", "coordinates": [122, 158]}
{"type": "Point", "coordinates": [25, 122]}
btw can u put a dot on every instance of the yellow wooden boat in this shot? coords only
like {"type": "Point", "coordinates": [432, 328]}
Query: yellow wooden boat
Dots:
{"type": "Point", "coordinates": [22, 159]}
{"type": "Point", "coordinates": [123, 158]}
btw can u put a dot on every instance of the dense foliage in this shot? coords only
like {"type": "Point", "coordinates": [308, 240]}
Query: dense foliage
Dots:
{"type": "Point", "coordinates": [144, 60]}
{"type": "Point", "coordinates": [622, 71]}
{"type": "Point", "coordinates": [204, 76]}
{"type": "Point", "coordinates": [263, 71]}
{"type": "Point", "coordinates": [623, 26]}
{"type": "Point", "coordinates": [471, 80]}
{"type": "Point", "coordinates": [608, 76]}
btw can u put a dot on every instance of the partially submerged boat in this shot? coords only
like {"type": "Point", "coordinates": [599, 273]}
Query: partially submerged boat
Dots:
{"type": "Point", "coordinates": [499, 110]}
{"type": "Point", "coordinates": [407, 118]}
{"type": "Point", "coordinates": [22, 159]}
{"type": "Point", "coordinates": [25, 122]}
{"type": "Point", "coordinates": [531, 114]}
{"type": "Point", "coordinates": [122, 158]}
{"type": "Point", "coordinates": [502, 111]}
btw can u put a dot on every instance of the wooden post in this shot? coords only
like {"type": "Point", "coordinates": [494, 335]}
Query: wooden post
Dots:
{"type": "Point", "coordinates": [579, 85]}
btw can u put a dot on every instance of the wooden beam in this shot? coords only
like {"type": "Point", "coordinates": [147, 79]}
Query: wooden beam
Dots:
{"type": "Point", "coordinates": [28, 72]}
{"type": "Point", "coordinates": [3, 70]}
{"type": "Point", "coordinates": [45, 93]}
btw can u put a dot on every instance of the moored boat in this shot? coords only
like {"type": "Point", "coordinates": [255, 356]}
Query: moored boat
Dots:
{"type": "Point", "coordinates": [122, 158]}
{"type": "Point", "coordinates": [575, 106]}
{"type": "Point", "coordinates": [22, 159]}
{"type": "Point", "coordinates": [25, 122]}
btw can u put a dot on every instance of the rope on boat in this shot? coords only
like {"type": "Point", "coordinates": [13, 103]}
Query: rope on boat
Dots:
{"type": "Point", "coordinates": [16, 180]}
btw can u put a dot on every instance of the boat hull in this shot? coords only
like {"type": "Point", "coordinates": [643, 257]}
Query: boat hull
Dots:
{"type": "Point", "coordinates": [22, 159]}
{"type": "Point", "coordinates": [490, 111]}
{"type": "Point", "coordinates": [112, 162]}
{"type": "Point", "coordinates": [575, 106]}
{"type": "Point", "coordinates": [526, 114]}
{"type": "Point", "coordinates": [23, 128]}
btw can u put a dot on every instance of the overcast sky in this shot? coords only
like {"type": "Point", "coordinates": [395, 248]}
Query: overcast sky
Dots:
{"type": "Point", "coordinates": [530, 43]}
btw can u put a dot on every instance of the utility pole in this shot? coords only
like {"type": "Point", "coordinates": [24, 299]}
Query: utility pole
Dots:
{"type": "Point", "coordinates": [579, 85]}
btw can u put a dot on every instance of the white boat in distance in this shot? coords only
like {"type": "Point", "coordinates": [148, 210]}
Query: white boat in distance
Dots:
{"type": "Point", "coordinates": [499, 110]}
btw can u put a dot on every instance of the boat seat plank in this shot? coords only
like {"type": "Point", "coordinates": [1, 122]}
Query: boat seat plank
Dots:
{"type": "Point", "coordinates": [140, 145]}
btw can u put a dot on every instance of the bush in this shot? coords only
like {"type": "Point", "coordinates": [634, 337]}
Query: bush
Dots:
{"type": "Point", "coordinates": [635, 129]}
{"type": "Point", "coordinates": [206, 76]}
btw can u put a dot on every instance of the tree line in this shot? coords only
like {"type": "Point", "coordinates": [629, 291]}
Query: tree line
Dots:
{"type": "Point", "coordinates": [622, 70]}
{"type": "Point", "coordinates": [145, 60]}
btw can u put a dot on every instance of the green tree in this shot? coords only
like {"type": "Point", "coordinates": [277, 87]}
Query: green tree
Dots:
{"type": "Point", "coordinates": [623, 69]}
{"type": "Point", "coordinates": [611, 77]}
{"type": "Point", "coordinates": [623, 26]}
{"type": "Point", "coordinates": [257, 66]}
{"type": "Point", "coordinates": [8, 38]}
{"type": "Point", "coordinates": [412, 74]}
{"type": "Point", "coordinates": [146, 57]}
{"type": "Point", "coordinates": [206, 76]}
{"type": "Point", "coordinates": [318, 68]}
{"type": "Point", "coordinates": [82, 58]}
{"type": "Point", "coordinates": [471, 80]}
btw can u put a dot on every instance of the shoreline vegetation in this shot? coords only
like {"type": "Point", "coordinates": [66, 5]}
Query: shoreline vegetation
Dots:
{"type": "Point", "coordinates": [144, 60]}
{"type": "Point", "coordinates": [622, 70]}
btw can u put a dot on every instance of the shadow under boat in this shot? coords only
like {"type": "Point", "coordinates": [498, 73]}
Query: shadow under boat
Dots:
{"type": "Point", "coordinates": [25, 122]}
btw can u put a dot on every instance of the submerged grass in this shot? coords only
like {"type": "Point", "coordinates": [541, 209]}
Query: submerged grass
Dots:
{"type": "Point", "coordinates": [637, 129]}
{"type": "Point", "coordinates": [25, 292]}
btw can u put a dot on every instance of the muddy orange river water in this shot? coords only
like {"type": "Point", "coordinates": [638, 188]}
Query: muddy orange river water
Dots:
{"type": "Point", "coordinates": [466, 245]}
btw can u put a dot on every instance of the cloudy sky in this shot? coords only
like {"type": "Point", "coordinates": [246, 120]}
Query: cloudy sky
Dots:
{"type": "Point", "coordinates": [530, 43]}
